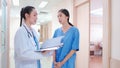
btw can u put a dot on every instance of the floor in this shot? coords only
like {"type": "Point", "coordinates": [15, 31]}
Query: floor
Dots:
{"type": "Point", "coordinates": [95, 61]}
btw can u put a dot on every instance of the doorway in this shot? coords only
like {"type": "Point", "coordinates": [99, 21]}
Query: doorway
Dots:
{"type": "Point", "coordinates": [96, 34]}
{"type": "Point", "coordinates": [82, 19]}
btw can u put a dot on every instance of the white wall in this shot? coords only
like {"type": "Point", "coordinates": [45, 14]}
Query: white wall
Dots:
{"type": "Point", "coordinates": [115, 34]}
{"type": "Point", "coordinates": [115, 47]}
{"type": "Point", "coordinates": [96, 32]}
{"type": "Point", "coordinates": [96, 28]}
{"type": "Point", "coordinates": [66, 4]}
{"type": "Point", "coordinates": [14, 25]}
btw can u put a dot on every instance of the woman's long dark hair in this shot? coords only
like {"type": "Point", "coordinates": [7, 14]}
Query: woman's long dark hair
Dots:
{"type": "Point", "coordinates": [66, 13]}
{"type": "Point", "coordinates": [28, 10]}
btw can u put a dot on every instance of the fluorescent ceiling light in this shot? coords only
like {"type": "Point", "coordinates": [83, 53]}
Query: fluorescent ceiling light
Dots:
{"type": "Point", "coordinates": [97, 12]}
{"type": "Point", "coordinates": [42, 20]}
{"type": "Point", "coordinates": [43, 4]}
{"type": "Point", "coordinates": [15, 2]}
{"type": "Point", "coordinates": [0, 12]}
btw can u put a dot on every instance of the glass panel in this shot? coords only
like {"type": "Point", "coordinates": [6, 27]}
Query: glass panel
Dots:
{"type": "Point", "coordinates": [0, 32]}
{"type": "Point", "coordinates": [3, 34]}
{"type": "Point", "coordinates": [3, 24]}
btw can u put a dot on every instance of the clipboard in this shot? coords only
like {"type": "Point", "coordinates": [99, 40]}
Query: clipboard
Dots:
{"type": "Point", "coordinates": [49, 48]}
{"type": "Point", "coordinates": [51, 44]}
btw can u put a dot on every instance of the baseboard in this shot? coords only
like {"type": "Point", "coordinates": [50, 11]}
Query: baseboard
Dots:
{"type": "Point", "coordinates": [115, 63]}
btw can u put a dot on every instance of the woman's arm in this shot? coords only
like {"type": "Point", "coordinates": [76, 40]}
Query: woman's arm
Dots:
{"type": "Point", "coordinates": [54, 56]}
{"type": "Point", "coordinates": [68, 56]}
{"type": "Point", "coordinates": [54, 59]}
{"type": "Point", "coordinates": [59, 64]}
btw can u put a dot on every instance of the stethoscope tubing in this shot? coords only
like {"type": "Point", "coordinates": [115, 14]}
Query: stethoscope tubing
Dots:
{"type": "Point", "coordinates": [29, 34]}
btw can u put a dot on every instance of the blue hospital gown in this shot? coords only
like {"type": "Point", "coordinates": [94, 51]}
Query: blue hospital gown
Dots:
{"type": "Point", "coordinates": [71, 42]}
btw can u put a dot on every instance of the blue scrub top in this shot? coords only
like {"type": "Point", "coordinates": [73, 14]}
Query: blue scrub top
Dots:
{"type": "Point", "coordinates": [70, 42]}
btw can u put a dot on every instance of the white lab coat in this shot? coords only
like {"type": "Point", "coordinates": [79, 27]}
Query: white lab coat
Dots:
{"type": "Point", "coordinates": [25, 55]}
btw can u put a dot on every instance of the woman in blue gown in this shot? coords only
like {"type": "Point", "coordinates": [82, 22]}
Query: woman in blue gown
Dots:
{"type": "Point", "coordinates": [65, 56]}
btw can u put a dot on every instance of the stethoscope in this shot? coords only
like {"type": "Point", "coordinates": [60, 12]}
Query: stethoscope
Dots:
{"type": "Point", "coordinates": [29, 34]}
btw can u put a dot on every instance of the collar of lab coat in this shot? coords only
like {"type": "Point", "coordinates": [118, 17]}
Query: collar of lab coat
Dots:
{"type": "Point", "coordinates": [30, 30]}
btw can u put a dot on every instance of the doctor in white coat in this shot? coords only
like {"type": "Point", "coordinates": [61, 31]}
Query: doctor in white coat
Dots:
{"type": "Point", "coordinates": [26, 41]}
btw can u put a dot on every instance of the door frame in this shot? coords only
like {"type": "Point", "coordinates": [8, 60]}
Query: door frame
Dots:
{"type": "Point", "coordinates": [78, 4]}
{"type": "Point", "coordinates": [106, 29]}
{"type": "Point", "coordinates": [106, 33]}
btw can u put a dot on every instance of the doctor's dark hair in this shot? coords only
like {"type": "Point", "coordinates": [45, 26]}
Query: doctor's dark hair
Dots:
{"type": "Point", "coordinates": [28, 10]}
{"type": "Point", "coordinates": [66, 13]}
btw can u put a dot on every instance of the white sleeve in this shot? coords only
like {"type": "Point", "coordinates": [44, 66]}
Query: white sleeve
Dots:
{"type": "Point", "coordinates": [22, 50]}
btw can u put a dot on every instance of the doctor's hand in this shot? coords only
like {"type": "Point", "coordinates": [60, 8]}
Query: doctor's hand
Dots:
{"type": "Point", "coordinates": [45, 52]}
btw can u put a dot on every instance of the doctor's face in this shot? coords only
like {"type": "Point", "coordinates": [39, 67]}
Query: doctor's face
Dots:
{"type": "Point", "coordinates": [33, 17]}
{"type": "Point", "coordinates": [62, 18]}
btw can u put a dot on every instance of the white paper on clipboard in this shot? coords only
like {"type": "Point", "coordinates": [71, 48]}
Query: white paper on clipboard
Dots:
{"type": "Point", "coordinates": [52, 44]}
{"type": "Point", "coordinates": [50, 48]}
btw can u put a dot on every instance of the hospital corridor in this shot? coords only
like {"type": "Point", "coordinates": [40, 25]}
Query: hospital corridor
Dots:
{"type": "Point", "coordinates": [97, 22]}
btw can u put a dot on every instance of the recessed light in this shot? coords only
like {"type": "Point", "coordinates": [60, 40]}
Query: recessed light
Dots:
{"type": "Point", "coordinates": [97, 11]}
{"type": "Point", "coordinates": [15, 2]}
{"type": "Point", "coordinates": [43, 4]}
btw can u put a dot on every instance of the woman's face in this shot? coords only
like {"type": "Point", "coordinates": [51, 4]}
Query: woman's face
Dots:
{"type": "Point", "coordinates": [62, 18]}
{"type": "Point", "coordinates": [32, 17]}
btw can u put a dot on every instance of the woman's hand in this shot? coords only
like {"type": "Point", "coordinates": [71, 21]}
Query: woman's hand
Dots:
{"type": "Point", "coordinates": [58, 65]}
{"type": "Point", "coordinates": [55, 64]}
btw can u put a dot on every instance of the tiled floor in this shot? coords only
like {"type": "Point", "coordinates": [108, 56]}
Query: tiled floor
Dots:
{"type": "Point", "coordinates": [95, 62]}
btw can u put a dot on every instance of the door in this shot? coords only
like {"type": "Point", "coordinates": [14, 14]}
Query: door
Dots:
{"type": "Point", "coordinates": [81, 20]}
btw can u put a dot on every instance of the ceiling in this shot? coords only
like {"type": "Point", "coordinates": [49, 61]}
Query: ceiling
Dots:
{"type": "Point", "coordinates": [96, 7]}
{"type": "Point", "coordinates": [36, 3]}
{"type": "Point", "coordinates": [96, 12]}
{"type": "Point", "coordinates": [43, 13]}
{"type": "Point", "coordinates": [95, 4]}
